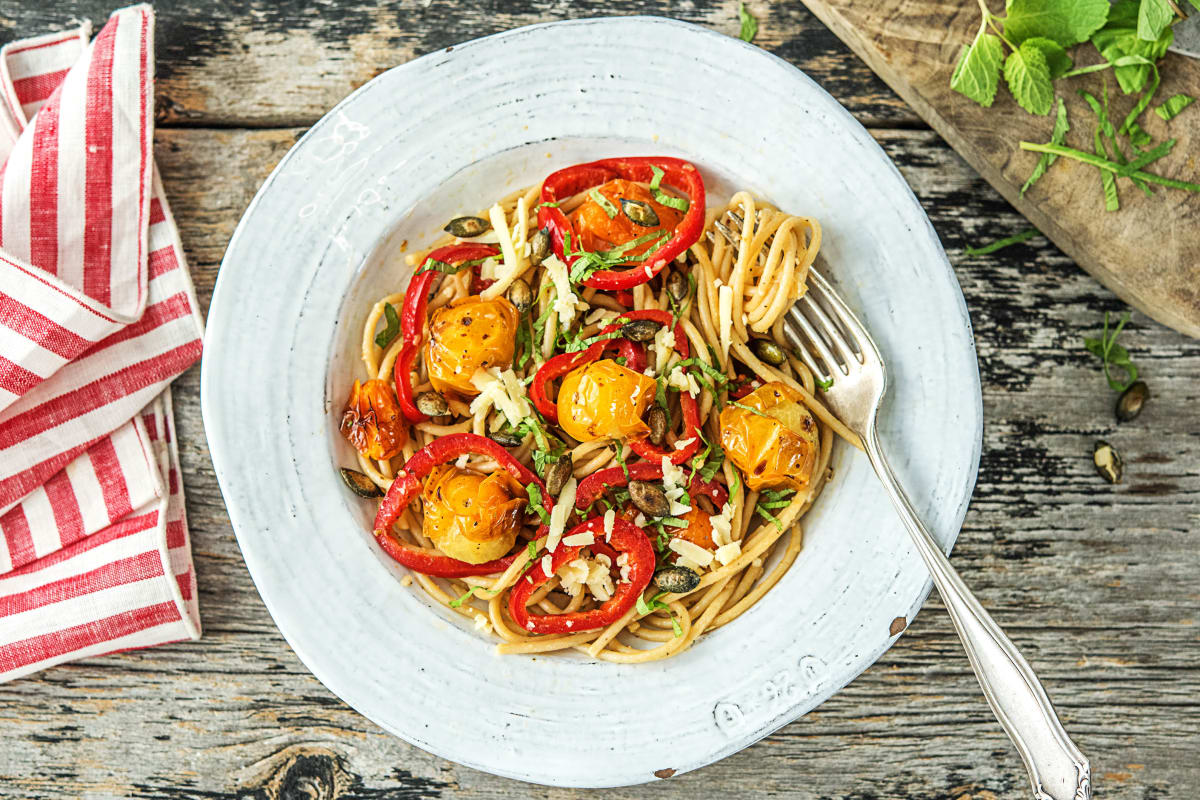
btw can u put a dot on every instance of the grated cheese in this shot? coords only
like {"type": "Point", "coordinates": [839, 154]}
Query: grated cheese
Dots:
{"type": "Point", "coordinates": [563, 506]}
{"type": "Point", "coordinates": [725, 316]}
{"type": "Point", "coordinates": [610, 517]}
{"type": "Point", "coordinates": [487, 270]}
{"type": "Point", "coordinates": [682, 443]}
{"type": "Point", "coordinates": [692, 552]}
{"type": "Point", "coordinates": [683, 561]}
{"type": "Point", "coordinates": [547, 568]}
{"type": "Point", "coordinates": [502, 390]}
{"type": "Point", "coordinates": [461, 461]}
{"type": "Point", "coordinates": [580, 572]}
{"type": "Point", "coordinates": [722, 525]}
{"type": "Point", "coordinates": [566, 302]}
{"type": "Point", "coordinates": [482, 623]}
{"type": "Point", "coordinates": [515, 262]}
{"type": "Point", "coordinates": [623, 566]}
{"type": "Point", "coordinates": [727, 553]}
{"type": "Point", "coordinates": [664, 347]}
{"type": "Point", "coordinates": [579, 539]}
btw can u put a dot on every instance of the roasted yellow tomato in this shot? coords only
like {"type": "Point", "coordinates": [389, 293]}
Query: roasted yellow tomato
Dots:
{"type": "Point", "coordinates": [469, 334]}
{"type": "Point", "coordinates": [776, 447]}
{"type": "Point", "coordinates": [372, 420]}
{"type": "Point", "coordinates": [472, 517]}
{"type": "Point", "coordinates": [641, 215]}
{"type": "Point", "coordinates": [603, 400]}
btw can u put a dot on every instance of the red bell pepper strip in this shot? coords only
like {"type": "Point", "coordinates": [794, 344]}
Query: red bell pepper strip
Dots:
{"type": "Point", "coordinates": [626, 538]}
{"type": "Point", "coordinates": [581, 177]}
{"type": "Point", "coordinates": [412, 319]}
{"type": "Point", "coordinates": [596, 484]}
{"type": "Point", "coordinates": [687, 403]}
{"type": "Point", "coordinates": [407, 485]}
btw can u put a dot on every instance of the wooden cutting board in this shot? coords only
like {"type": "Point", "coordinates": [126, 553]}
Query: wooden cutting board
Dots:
{"type": "Point", "coordinates": [1148, 252]}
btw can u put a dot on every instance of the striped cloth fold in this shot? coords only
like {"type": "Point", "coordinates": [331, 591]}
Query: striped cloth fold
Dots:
{"type": "Point", "coordinates": [97, 316]}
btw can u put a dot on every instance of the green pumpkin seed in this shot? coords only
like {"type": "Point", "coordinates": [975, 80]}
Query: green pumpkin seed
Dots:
{"type": "Point", "coordinates": [432, 404]}
{"type": "Point", "coordinates": [520, 295]}
{"type": "Point", "coordinates": [641, 213]}
{"type": "Point", "coordinates": [1132, 400]}
{"type": "Point", "coordinates": [466, 227]}
{"type": "Point", "coordinates": [769, 352]}
{"type": "Point", "coordinates": [539, 247]}
{"type": "Point", "coordinates": [676, 580]}
{"type": "Point", "coordinates": [656, 418]}
{"type": "Point", "coordinates": [359, 483]}
{"type": "Point", "coordinates": [640, 330]}
{"type": "Point", "coordinates": [677, 286]}
{"type": "Point", "coordinates": [505, 438]}
{"type": "Point", "coordinates": [1109, 464]}
{"type": "Point", "coordinates": [557, 475]}
{"type": "Point", "coordinates": [649, 499]}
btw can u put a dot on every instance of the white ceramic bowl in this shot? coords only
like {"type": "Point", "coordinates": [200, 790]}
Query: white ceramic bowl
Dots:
{"type": "Point", "coordinates": [446, 134]}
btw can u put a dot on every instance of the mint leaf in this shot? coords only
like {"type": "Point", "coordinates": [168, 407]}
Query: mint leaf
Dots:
{"type": "Point", "coordinates": [1000, 244]}
{"type": "Point", "coordinates": [1173, 105]}
{"type": "Point", "coordinates": [1118, 39]}
{"type": "Point", "coordinates": [978, 71]}
{"type": "Point", "coordinates": [1153, 18]}
{"type": "Point", "coordinates": [1028, 77]}
{"type": "Point", "coordinates": [1057, 136]}
{"type": "Point", "coordinates": [1067, 22]}
{"type": "Point", "coordinates": [749, 24]}
{"type": "Point", "coordinates": [385, 336]}
{"type": "Point", "coordinates": [1056, 57]}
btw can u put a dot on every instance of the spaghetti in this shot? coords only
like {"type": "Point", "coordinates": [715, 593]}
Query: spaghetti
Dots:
{"type": "Point", "coordinates": [608, 436]}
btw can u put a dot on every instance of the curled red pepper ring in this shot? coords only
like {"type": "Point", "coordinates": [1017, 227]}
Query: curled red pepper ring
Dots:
{"type": "Point", "coordinates": [687, 403]}
{"type": "Point", "coordinates": [626, 538]}
{"type": "Point", "coordinates": [408, 485]}
{"type": "Point", "coordinates": [594, 485]}
{"type": "Point", "coordinates": [581, 177]}
{"type": "Point", "coordinates": [412, 319]}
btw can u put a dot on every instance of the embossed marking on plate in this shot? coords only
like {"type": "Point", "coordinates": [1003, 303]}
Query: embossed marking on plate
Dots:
{"type": "Point", "coordinates": [757, 706]}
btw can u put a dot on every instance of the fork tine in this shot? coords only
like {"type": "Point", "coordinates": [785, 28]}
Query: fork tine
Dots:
{"type": "Point", "coordinates": [833, 333]}
{"type": "Point", "coordinates": [859, 338]}
{"type": "Point", "coordinates": [789, 330]}
{"type": "Point", "coordinates": [817, 342]}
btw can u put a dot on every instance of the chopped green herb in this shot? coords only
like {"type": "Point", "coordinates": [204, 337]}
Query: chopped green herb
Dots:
{"type": "Point", "coordinates": [655, 604]}
{"type": "Point", "coordinates": [1057, 136]}
{"type": "Point", "coordinates": [773, 499]}
{"type": "Point", "coordinates": [825, 384]}
{"type": "Point", "coordinates": [603, 202]}
{"type": "Point", "coordinates": [433, 265]}
{"type": "Point", "coordinates": [1000, 244]}
{"type": "Point", "coordinates": [385, 336]}
{"type": "Point", "coordinates": [620, 455]}
{"type": "Point", "coordinates": [536, 504]}
{"type": "Point", "coordinates": [1123, 171]}
{"type": "Point", "coordinates": [677, 203]}
{"type": "Point", "coordinates": [1170, 107]}
{"type": "Point", "coordinates": [745, 407]}
{"type": "Point", "coordinates": [464, 597]}
{"type": "Point", "coordinates": [749, 24]}
{"type": "Point", "coordinates": [1112, 354]}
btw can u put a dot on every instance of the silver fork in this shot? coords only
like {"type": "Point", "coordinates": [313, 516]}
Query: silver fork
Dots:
{"type": "Point", "coordinates": [827, 333]}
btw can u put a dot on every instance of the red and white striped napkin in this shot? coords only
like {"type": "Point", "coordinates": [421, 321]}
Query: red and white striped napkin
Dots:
{"type": "Point", "coordinates": [97, 316]}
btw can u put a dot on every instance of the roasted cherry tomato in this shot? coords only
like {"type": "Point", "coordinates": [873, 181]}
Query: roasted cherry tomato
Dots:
{"type": "Point", "coordinates": [640, 216]}
{"type": "Point", "coordinates": [472, 517]}
{"type": "Point", "coordinates": [467, 335]}
{"type": "Point", "coordinates": [603, 400]}
{"type": "Point", "coordinates": [776, 447]}
{"type": "Point", "coordinates": [699, 530]}
{"type": "Point", "coordinates": [372, 420]}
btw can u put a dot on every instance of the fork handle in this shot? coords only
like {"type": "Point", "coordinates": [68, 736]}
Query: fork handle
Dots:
{"type": "Point", "coordinates": [1057, 769]}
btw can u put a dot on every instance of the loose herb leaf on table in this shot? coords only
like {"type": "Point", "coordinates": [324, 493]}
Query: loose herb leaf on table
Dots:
{"type": "Point", "coordinates": [1112, 354]}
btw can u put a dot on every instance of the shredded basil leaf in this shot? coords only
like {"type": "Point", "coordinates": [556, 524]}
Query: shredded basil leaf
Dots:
{"type": "Point", "coordinates": [661, 197]}
{"type": "Point", "coordinates": [536, 503]}
{"type": "Point", "coordinates": [385, 336]}
{"type": "Point", "coordinates": [603, 202]}
{"type": "Point", "coordinates": [465, 597]}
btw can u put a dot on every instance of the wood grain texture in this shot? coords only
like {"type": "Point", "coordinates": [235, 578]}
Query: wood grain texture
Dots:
{"type": "Point", "coordinates": [1149, 251]}
{"type": "Point", "coordinates": [1099, 586]}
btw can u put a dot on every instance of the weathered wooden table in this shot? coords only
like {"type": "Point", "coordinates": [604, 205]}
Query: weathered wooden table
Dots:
{"type": "Point", "coordinates": [1098, 585]}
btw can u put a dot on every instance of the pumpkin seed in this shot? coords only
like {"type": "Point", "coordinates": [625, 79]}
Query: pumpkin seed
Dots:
{"type": "Point", "coordinates": [1131, 401]}
{"type": "Point", "coordinates": [520, 295]}
{"type": "Point", "coordinates": [769, 352]}
{"type": "Point", "coordinates": [557, 474]}
{"type": "Point", "coordinates": [505, 438]}
{"type": "Point", "coordinates": [641, 213]}
{"type": "Point", "coordinates": [656, 418]}
{"type": "Point", "coordinates": [677, 286]}
{"type": "Point", "coordinates": [676, 580]}
{"type": "Point", "coordinates": [466, 227]}
{"type": "Point", "coordinates": [539, 247]}
{"type": "Point", "coordinates": [649, 499]}
{"type": "Point", "coordinates": [359, 483]}
{"type": "Point", "coordinates": [432, 404]}
{"type": "Point", "coordinates": [640, 330]}
{"type": "Point", "coordinates": [1108, 462]}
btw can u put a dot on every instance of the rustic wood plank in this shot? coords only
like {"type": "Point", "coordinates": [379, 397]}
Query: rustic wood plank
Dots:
{"type": "Point", "coordinates": [261, 63]}
{"type": "Point", "coordinates": [1147, 253]}
{"type": "Point", "coordinates": [1099, 585]}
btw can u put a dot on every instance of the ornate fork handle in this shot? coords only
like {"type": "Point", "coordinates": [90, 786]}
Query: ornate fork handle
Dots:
{"type": "Point", "coordinates": [1057, 769]}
